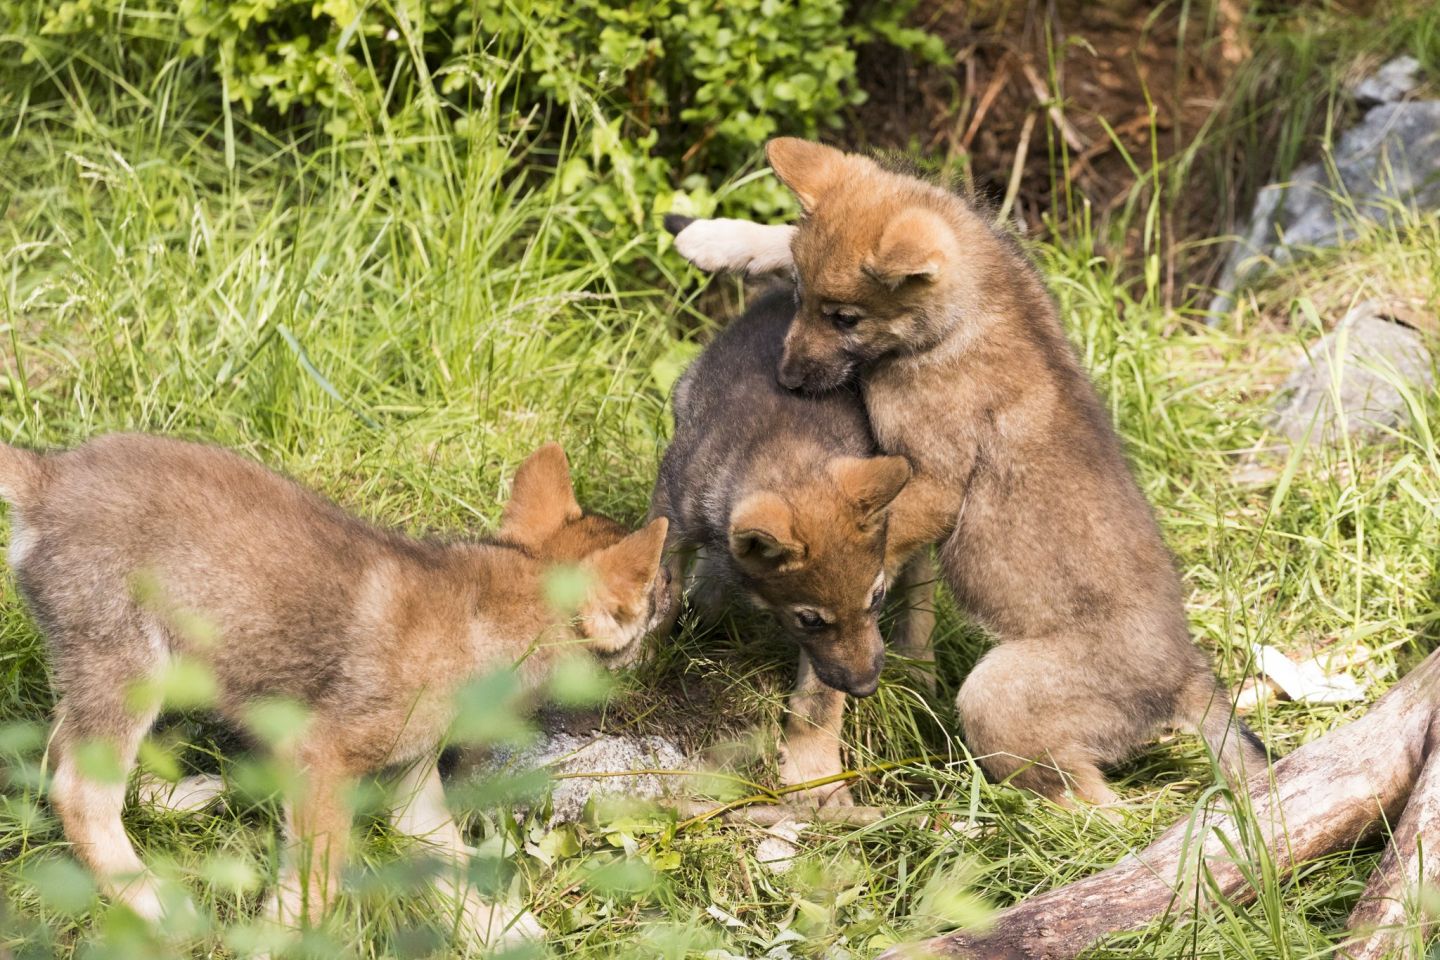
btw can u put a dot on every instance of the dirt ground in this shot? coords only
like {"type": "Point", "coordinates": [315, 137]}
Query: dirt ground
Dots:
{"type": "Point", "coordinates": [1098, 91]}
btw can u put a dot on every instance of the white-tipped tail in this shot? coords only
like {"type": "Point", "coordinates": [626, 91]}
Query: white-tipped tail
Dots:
{"type": "Point", "coordinates": [739, 246]}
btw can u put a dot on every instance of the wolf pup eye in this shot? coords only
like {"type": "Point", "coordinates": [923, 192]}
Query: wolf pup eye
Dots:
{"type": "Point", "coordinates": [842, 321]}
{"type": "Point", "coordinates": [877, 598]}
{"type": "Point", "coordinates": [810, 620]}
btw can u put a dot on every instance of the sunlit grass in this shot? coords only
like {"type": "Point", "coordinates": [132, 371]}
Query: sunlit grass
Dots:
{"type": "Point", "coordinates": [398, 323]}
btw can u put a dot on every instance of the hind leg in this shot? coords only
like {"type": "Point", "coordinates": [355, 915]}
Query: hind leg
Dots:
{"type": "Point", "coordinates": [1084, 781]}
{"type": "Point", "coordinates": [89, 808]}
{"type": "Point", "coordinates": [1026, 723]}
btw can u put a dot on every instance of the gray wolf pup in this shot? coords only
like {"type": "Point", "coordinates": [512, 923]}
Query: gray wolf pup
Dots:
{"type": "Point", "coordinates": [784, 503]}
{"type": "Point", "coordinates": [1019, 476]}
{"type": "Point", "coordinates": [121, 544]}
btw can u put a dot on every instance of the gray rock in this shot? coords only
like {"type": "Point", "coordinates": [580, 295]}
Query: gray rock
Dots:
{"type": "Point", "coordinates": [598, 753]}
{"type": "Point", "coordinates": [1392, 82]}
{"type": "Point", "coordinates": [1390, 160]}
{"type": "Point", "coordinates": [1359, 364]}
{"type": "Point", "coordinates": [561, 752]}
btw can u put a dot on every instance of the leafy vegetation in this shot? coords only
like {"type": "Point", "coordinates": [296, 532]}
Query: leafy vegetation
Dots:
{"type": "Point", "coordinates": [664, 85]}
{"type": "Point", "coordinates": [395, 297]}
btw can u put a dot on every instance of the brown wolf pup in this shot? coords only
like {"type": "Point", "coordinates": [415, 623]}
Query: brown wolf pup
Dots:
{"type": "Point", "coordinates": [784, 503]}
{"type": "Point", "coordinates": [1019, 475]}
{"type": "Point", "coordinates": [370, 630]}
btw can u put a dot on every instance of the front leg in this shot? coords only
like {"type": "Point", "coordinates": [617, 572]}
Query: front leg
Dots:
{"type": "Point", "coordinates": [811, 750]}
{"type": "Point", "coordinates": [672, 559]}
{"type": "Point", "coordinates": [317, 827]}
{"type": "Point", "coordinates": [422, 814]}
{"type": "Point", "coordinates": [914, 627]}
{"type": "Point", "coordinates": [925, 512]}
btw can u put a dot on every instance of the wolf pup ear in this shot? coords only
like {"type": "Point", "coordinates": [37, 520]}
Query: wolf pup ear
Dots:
{"type": "Point", "coordinates": [870, 483]}
{"type": "Point", "coordinates": [762, 533]}
{"type": "Point", "coordinates": [542, 497]}
{"type": "Point", "coordinates": [806, 167]}
{"type": "Point", "coordinates": [914, 246]}
{"type": "Point", "coordinates": [624, 571]}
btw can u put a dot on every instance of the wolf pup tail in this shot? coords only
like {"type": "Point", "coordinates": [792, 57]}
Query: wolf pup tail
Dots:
{"type": "Point", "coordinates": [19, 473]}
{"type": "Point", "coordinates": [1241, 753]}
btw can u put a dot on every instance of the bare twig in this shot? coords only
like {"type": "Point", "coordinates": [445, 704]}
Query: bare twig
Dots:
{"type": "Point", "coordinates": [775, 796]}
{"type": "Point", "coordinates": [1048, 100]}
{"type": "Point", "coordinates": [997, 83]}
{"type": "Point", "coordinates": [769, 815]}
{"type": "Point", "coordinates": [1017, 169]}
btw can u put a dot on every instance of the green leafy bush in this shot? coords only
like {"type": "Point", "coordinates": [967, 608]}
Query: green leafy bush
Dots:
{"type": "Point", "coordinates": [681, 91]}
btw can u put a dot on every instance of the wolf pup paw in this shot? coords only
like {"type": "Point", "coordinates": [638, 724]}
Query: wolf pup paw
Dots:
{"type": "Point", "coordinates": [507, 927]}
{"type": "Point", "coordinates": [801, 765]}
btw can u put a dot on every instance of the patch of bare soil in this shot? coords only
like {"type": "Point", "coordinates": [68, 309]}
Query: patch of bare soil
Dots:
{"type": "Point", "coordinates": [1096, 91]}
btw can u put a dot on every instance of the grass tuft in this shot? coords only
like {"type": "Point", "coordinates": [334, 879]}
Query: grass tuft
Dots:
{"type": "Point", "coordinates": [398, 321]}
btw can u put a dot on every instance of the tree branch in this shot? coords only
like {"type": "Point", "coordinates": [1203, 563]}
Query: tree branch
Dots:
{"type": "Point", "coordinates": [1325, 795]}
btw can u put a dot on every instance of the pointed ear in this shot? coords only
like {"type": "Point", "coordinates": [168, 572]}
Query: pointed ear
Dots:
{"type": "Point", "coordinates": [806, 167]}
{"type": "Point", "coordinates": [542, 498]}
{"type": "Point", "coordinates": [762, 533]}
{"type": "Point", "coordinates": [914, 246]}
{"type": "Point", "coordinates": [870, 483]}
{"type": "Point", "coordinates": [625, 570]}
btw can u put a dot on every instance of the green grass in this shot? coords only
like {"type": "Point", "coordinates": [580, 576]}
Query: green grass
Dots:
{"type": "Point", "coordinates": [397, 321]}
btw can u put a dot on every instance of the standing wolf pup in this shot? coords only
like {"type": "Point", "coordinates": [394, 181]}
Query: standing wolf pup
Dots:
{"type": "Point", "coordinates": [784, 502]}
{"type": "Point", "coordinates": [370, 630]}
{"type": "Point", "coordinates": [1045, 536]}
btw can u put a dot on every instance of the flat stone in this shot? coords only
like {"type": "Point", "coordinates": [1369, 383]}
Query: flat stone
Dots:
{"type": "Point", "coordinates": [563, 753]}
{"type": "Point", "coordinates": [596, 753]}
{"type": "Point", "coordinates": [1349, 382]}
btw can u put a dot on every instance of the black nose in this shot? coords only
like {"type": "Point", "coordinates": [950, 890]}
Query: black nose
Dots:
{"type": "Point", "coordinates": [838, 677]}
{"type": "Point", "coordinates": [790, 379]}
{"type": "Point", "coordinates": [864, 687]}
{"type": "Point", "coordinates": [863, 690]}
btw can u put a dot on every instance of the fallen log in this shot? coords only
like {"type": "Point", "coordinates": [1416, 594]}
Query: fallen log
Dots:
{"type": "Point", "coordinates": [1380, 923]}
{"type": "Point", "coordinates": [1328, 794]}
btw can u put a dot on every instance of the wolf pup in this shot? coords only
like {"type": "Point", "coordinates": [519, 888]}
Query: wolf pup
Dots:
{"type": "Point", "coordinates": [1045, 537]}
{"type": "Point", "coordinates": [782, 502]}
{"type": "Point", "coordinates": [368, 629]}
